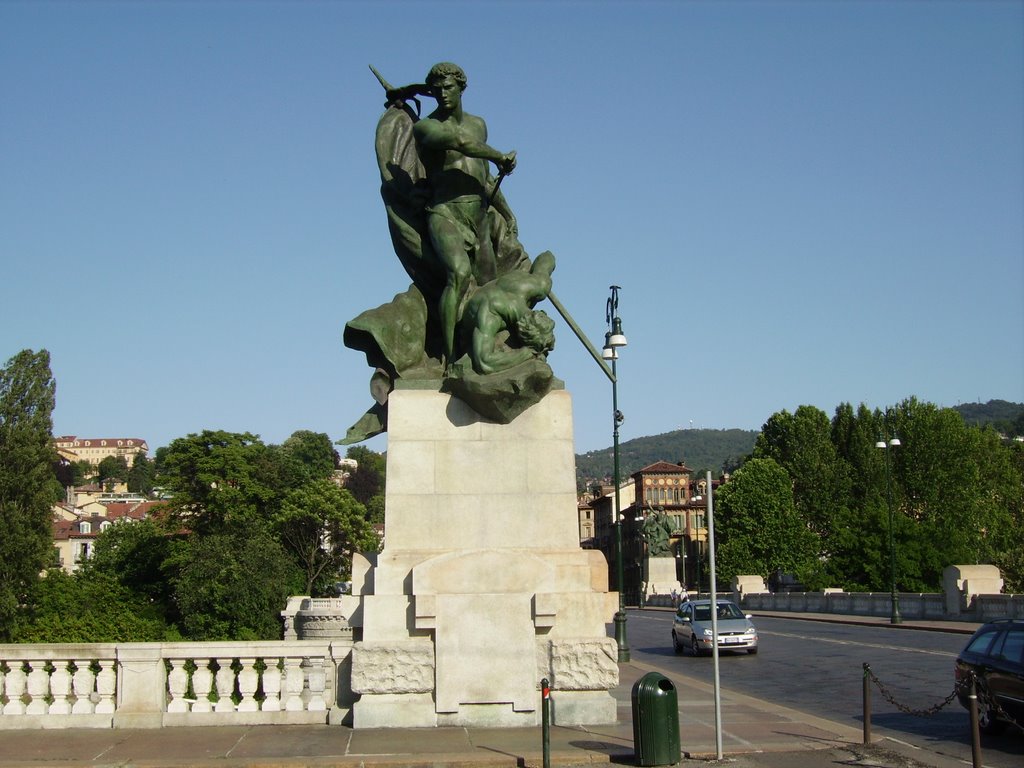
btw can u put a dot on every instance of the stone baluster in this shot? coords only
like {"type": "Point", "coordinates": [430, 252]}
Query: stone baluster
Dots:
{"type": "Point", "coordinates": [248, 682]}
{"type": "Point", "coordinates": [272, 685]}
{"type": "Point", "coordinates": [60, 688]}
{"type": "Point", "coordinates": [317, 684]}
{"type": "Point", "coordinates": [38, 687]}
{"type": "Point", "coordinates": [15, 688]}
{"type": "Point", "coordinates": [224, 680]}
{"type": "Point", "coordinates": [177, 684]}
{"type": "Point", "coordinates": [293, 684]}
{"type": "Point", "coordinates": [106, 687]}
{"type": "Point", "coordinates": [84, 683]}
{"type": "Point", "coordinates": [202, 681]}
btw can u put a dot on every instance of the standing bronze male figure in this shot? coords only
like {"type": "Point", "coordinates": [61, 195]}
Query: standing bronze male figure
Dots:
{"type": "Point", "coordinates": [453, 148]}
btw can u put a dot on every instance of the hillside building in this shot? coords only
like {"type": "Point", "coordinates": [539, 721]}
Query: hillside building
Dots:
{"type": "Point", "coordinates": [94, 450]}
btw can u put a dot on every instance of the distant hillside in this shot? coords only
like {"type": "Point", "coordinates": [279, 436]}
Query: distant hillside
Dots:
{"type": "Point", "coordinates": [699, 449]}
{"type": "Point", "coordinates": [1004, 416]}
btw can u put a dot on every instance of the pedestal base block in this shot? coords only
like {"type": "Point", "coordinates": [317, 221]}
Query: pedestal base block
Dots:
{"type": "Point", "coordinates": [482, 588]}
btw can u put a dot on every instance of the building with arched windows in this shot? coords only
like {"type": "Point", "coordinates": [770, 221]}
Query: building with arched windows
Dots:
{"type": "Point", "coordinates": [96, 449]}
{"type": "Point", "coordinates": [661, 487]}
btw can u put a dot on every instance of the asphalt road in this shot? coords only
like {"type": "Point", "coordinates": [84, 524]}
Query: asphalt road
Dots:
{"type": "Point", "coordinates": [817, 667]}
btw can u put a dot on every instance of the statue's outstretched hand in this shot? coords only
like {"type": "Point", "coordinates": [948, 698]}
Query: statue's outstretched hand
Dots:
{"type": "Point", "coordinates": [508, 163]}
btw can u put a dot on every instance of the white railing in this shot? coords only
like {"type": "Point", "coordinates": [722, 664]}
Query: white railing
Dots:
{"type": "Point", "coordinates": [168, 684]}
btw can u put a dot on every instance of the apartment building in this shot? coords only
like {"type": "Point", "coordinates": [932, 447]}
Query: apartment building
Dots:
{"type": "Point", "coordinates": [96, 449]}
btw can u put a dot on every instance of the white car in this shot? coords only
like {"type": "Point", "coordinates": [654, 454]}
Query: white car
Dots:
{"type": "Point", "coordinates": [691, 628]}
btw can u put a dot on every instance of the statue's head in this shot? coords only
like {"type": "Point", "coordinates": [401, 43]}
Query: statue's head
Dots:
{"type": "Point", "coordinates": [444, 69]}
{"type": "Point", "coordinates": [537, 331]}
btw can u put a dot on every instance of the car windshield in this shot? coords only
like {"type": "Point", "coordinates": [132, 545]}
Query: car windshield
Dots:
{"type": "Point", "coordinates": [725, 611]}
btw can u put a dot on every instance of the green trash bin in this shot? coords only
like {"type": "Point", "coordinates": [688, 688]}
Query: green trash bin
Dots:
{"type": "Point", "coordinates": [655, 720]}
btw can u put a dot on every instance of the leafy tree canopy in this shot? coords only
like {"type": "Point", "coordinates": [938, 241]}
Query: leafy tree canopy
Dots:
{"type": "Point", "coordinates": [112, 469]}
{"type": "Point", "coordinates": [322, 525]}
{"type": "Point", "coordinates": [88, 607]}
{"type": "Point", "coordinates": [218, 481]}
{"type": "Point", "coordinates": [367, 481]}
{"type": "Point", "coordinates": [955, 491]}
{"type": "Point", "coordinates": [232, 586]}
{"type": "Point", "coordinates": [28, 486]}
{"type": "Point", "coordinates": [758, 525]}
{"type": "Point", "coordinates": [141, 475]}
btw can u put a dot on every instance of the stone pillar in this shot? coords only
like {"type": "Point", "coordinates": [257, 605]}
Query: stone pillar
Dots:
{"type": "Point", "coordinates": [141, 686]}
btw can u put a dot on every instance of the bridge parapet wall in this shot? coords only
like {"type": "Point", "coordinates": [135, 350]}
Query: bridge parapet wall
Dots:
{"type": "Point", "coordinates": [913, 605]}
{"type": "Point", "coordinates": [152, 685]}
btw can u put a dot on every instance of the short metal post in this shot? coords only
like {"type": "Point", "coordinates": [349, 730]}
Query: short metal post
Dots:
{"type": "Point", "coordinates": [972, 698]}
{"type": "Point", "coordinates": [545, 719]}
{"type": "Point", "coordinates": [867, 703]}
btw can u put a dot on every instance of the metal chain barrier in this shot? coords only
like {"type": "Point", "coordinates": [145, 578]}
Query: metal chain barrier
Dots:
{"type": "Point", "coordinates": [984, 698]}
{"type": "Point", "coordinates": [888, 696]}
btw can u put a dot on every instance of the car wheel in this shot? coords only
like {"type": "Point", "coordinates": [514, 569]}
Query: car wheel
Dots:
{"type": "Point", "coordinates": [694, 648]}
{"type": "Point", "coordinates": [751, 651]}
{"type": "Point", "coordinates": [676, 645]}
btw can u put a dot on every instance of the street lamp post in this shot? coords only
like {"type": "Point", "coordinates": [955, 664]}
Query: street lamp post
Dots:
{"type": "Point", "coordinates": [895, 616]}
{"type": "Point", "coordinates": [613, 339]}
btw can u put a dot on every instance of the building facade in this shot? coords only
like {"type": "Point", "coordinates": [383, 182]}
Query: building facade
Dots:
{"type": "Point", "coordinates": [96, 449]}
{"type": "Point", "coordinates": [662, 487]}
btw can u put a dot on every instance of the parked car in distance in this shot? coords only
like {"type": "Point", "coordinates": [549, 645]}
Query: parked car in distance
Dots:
{"type": "Point", "coordinates": [995, 654]}
{"type": "Point", "coordinates": [691, 628]}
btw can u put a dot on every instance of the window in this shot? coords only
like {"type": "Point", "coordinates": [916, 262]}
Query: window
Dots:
{"type": "Point", "coordinates": [85, 527]}
{"type": "Point", "coordinates": [981, 643]}
{"type": "Point", "coordinates": [1013, 646]}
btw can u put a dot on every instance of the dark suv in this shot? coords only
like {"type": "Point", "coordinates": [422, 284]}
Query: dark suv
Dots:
{"type": "Point", "coordinates": [995, 654]}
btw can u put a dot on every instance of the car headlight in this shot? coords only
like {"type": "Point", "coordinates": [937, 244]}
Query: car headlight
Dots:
{"type": "Point", "coordinates": [750, 631]}
{"type": "Point", "coordinates": [707, 633]}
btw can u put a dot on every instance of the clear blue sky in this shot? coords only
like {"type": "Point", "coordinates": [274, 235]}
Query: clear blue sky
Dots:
{"type": "Point", "coordinates": [804, 202]}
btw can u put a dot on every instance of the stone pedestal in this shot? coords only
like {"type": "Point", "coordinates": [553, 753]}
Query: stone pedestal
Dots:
{"type": "Point", "coordinates": [482, 588]}
{"type": "Point", "coordinates": [660, 576]}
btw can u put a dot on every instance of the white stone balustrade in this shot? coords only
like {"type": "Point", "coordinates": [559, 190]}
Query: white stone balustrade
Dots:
{"type": "Point", "coordinates": [169, 684]}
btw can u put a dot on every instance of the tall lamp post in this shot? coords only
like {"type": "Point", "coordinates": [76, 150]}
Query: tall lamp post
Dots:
{"type": "Point", "coordinates": [885, 446]}
{"type": "Point", "coordinates": [613, 339]}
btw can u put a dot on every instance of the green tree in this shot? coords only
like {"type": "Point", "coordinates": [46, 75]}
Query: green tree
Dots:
{"type": "Point", "coordinates": [88, 607]}
{"type": "Point", "coordinates": [313, 451]}
{"type": "Point", "coordinates": [956, 495]}
{"type": "Point", "coordinates": [954, 490]}
{"type": "Point", "coordinates": [112, 469]}
{"type": "Point", "coordinates": [28, 487]}
{"type": "Point", "coordinates": [801, 443]}
{"type": "Point", "coordinates": [219, 481]}
{"type": "Point", "coordinates": [140, 476]}
{"type": "Point", "coordinates": [232, 586]}
{"type": "Point", "coordinates": [368, 479]}
{"type": "Point", "coordinates": [322, 525]}
{"type": "Point", "coordinates": [83, 473]}
{"type": "Point", "coordinates": [133, 552]}
{"type": "Point", "coordinates": [757, 526]}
